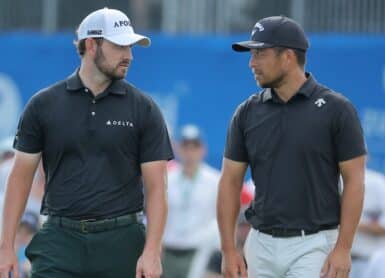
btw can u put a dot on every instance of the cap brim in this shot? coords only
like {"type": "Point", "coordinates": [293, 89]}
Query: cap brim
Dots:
{"type": "Point", "coordinates": [131, 39]}
{"type": "Point", "coordinates": [247, 45]}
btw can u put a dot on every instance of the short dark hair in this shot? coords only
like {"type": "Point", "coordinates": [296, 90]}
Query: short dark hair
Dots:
{"type": "Point", "coordinates": [300, 54]}
{"type": "Point", "coordinates": [81, 45]}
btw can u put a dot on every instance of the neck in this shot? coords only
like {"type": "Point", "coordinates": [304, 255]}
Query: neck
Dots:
{"type": "Point", "coordinates": [290, 85]}
{"type": "Point", "coordinates": [93, 79]}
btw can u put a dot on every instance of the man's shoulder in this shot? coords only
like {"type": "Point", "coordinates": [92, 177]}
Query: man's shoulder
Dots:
{"type": "Point", "coordinates": [331, 95]}
{"type": "Point", "coordinates": [48, 93]}
{"type": "Point", "coordinates": [251, 102]}
{"type": "Point", "coordinates": [255, 98]}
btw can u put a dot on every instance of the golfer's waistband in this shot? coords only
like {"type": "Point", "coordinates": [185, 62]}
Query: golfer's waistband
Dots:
{"type": "Point", "coordinates": [95, 226]}
{"type": "Point", "coordinates": [283, 232]}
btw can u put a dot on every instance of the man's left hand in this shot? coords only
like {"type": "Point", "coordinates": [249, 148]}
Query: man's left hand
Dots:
{"type": "Point", "coordinates": [337, 264]}
{"type": "Point", "coordinates": [149, 265]}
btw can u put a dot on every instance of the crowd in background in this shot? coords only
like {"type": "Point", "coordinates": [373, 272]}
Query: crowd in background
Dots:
{"type": "Point", "coordinates": [191, 240]}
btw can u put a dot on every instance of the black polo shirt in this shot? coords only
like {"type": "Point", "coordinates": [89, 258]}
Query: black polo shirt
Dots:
{"type": "Point", "coordinates": [293, 150]}
{"type": "Point", "coordinates": [92, 147]}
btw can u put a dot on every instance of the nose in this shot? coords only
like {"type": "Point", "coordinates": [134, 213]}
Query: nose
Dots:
{"type": "Point", "coordinates": [252, 61]}
{"type": "Point", "coordinates": [128, 53]}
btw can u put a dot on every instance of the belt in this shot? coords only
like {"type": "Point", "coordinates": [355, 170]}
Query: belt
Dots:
{"type": "Point", "coordinates": [95, 226]}
{"type": "Point", "coordinates": [284, 232]}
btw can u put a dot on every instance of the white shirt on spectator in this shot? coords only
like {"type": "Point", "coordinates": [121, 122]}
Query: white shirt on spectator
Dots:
{"type": "Point", "coordinates": [364, 244]}
{"type": "Point", "coordinates": [191, 217]}
{"type": "Point", "coordinates": [376, 265]}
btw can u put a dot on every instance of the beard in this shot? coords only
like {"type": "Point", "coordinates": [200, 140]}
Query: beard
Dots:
{"type": "Point", "coordinates": [109, 71]}
{"type": "Point", "coordinates": [275, 83]}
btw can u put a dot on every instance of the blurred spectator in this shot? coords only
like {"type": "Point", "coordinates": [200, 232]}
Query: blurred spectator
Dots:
{"type": "Point", "coordinates": [7, 154]}
{"type": "Point", "coordinates": [370, 236]}
{"type": "Point", "coordinates": [215, 262]}
{"type": "Point", "coordinates": [191, 230]}
{"type": "Point", "coordinates": [375, 268]}
{"type": "Point", "coordinates": [29, 225]}
{"type": "Point", "coordinates": [243, 227]}
{"type": "Point", "coordinates": [6, 159]}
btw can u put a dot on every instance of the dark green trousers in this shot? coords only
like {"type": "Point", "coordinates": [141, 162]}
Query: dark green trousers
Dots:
{"type": "Point", "coordinates": [64, 252]}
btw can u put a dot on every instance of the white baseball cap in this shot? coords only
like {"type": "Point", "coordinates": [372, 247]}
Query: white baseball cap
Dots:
{"type": "Point", "coordinates": [112, 25]}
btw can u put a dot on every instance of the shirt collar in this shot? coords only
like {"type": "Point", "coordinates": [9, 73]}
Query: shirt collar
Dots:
{"type": "Point", "coordinates": [74, 83]}
{"type": "Point", "coordinates": [306, 89]}
{"type": "Point", "coordinates": [309, 86]}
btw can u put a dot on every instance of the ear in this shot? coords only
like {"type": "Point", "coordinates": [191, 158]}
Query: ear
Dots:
{"type": "Point", "coordinates": [290, 58]}
{"type": "Point", "coordinates": [91, 46]}
{"type": "Point", "coordinates": [293, 57]}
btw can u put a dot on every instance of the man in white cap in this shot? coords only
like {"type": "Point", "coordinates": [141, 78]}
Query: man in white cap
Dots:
{"type": "Point", "coordinates": [100, 140]}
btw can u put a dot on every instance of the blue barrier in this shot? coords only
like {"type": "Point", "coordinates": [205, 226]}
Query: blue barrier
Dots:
{"type": "Point", "coordinates": [200, 79]}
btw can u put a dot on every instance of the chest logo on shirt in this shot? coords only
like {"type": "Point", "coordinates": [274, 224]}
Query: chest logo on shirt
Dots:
{"type": "Point", "coordinates": [319, 102]}
{"type": "Point", "coordinates": [119, 123]}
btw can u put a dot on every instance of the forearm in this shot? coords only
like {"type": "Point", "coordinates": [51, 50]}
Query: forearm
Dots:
{"type": "Point", "coordinates": [156, 212]}
{"type": "Point", "coordinates": [372, 228]}
{"type": "Point", "coordinates": [351, 208]}
{"type": "Point", "coordinates": [16, 196]}
{"type": "Point", "coordinates": [228, 206]}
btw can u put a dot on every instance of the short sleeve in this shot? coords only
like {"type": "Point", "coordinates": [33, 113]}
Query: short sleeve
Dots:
{"type": "Point", "coordinates": [154, 142]}
{"type": "Point", "coordinates": [29, 134]}
{"type": "Point", "coordinates": [235, 148]}
{"type": "Point", "coordinates": [348, 134]}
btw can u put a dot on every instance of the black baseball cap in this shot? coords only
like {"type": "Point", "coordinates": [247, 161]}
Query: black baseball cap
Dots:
{"type": "Point", "coordinates": [275, 31]}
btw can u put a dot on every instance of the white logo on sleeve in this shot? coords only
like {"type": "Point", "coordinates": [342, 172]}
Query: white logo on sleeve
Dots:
{"type": "Point", "coordinates": [319, 102]}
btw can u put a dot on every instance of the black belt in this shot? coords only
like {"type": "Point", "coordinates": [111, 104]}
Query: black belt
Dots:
{"type": "Point", "coordinates": [283, 232]}
{"type": "Point", "coordinates": [95, 226]}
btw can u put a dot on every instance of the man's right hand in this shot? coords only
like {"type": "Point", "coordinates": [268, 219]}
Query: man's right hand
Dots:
{"type": "Point", "coordinates": [233, 265]}
{"type": "Point", "coordinates": [8, 262]}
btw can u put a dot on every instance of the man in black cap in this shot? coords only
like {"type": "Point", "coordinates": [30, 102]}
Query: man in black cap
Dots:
{"type": "Point", "coordinates": [298, 137]}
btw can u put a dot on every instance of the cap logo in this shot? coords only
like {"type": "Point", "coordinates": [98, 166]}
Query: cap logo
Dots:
{"type": "Point", "coordinates": [258, 26]}
{"type": "Point", "coordinates": [94, 32]}
{"type": "Point", "coordinates": [121, 23]}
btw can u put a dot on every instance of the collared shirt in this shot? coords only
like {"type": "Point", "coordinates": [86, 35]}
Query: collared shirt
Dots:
{"type": "Point", "coordinates": [365, 245]}
{"type": "Point", "coordinates": [293, 150]}
{"type": "Point", "coordinates": [92, 147]}
{"type": "Point", "coordinates": [191, 217]}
